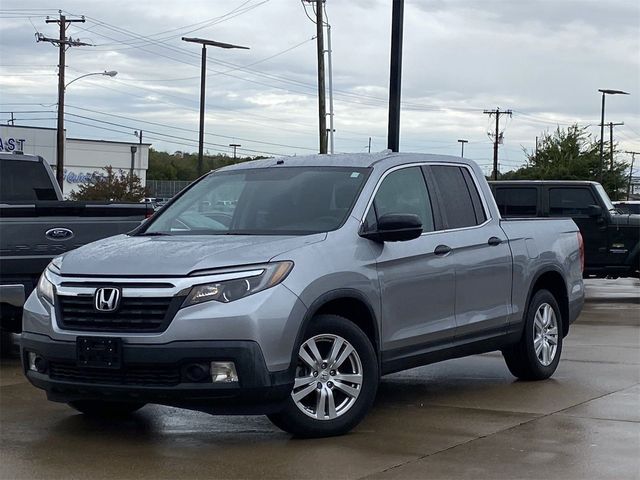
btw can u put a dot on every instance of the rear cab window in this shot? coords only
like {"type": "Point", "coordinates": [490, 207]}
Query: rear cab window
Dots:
{"type": "Point", "coordinates": [25, 181]}
{"type": "Point", "coordinates": [517, 201]}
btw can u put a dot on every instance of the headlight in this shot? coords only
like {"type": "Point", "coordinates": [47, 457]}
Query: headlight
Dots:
{"type": "Point", "coordinates": [230, 290]}
{"type": "Point", "coordinates": [45, 288]}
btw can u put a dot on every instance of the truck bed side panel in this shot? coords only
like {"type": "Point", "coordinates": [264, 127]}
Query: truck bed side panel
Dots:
{"type": "Point", "coordinates": [538, 246]}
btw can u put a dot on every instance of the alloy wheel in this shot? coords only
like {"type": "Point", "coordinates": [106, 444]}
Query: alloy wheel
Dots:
{"type": "Point", "coordinates": [545, 334]}
{"type": "Point", "coordinates": [328, 377]}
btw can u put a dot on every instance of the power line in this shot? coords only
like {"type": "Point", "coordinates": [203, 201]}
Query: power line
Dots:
{"type": "Point", "coordinates": [172, 127]}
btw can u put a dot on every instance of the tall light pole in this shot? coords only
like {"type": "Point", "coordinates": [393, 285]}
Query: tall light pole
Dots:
{"type": "Point", "coordinates": [395, 76]}
{"type": "Point", "coordinates": [106, 73]}
{"type": "Point", "coordinates": [203, 74]}
{"type": "Point", "coordinates": [605, 91]}
{"type": "Point", "coordinates": [463, 142]}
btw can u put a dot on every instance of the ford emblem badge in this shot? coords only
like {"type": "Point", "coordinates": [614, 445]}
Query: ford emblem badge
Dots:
{"type": "Point", "coordinates": [59, 234]}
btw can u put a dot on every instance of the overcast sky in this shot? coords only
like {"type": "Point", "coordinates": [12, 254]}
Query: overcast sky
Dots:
{"type": "Point", "coordinates": [545, 60]}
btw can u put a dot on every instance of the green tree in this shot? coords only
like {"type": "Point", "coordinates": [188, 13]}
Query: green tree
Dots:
{"type": "Point", "coordinates": [119, 186]}
{"type": "Point", "coordinates": [572, 154]}
{"type": "Point", "coordinates": [184, 166]}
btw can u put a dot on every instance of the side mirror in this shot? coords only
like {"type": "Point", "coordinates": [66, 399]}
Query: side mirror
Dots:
{"type": "Point", "coordinates": [595, 211]}
{"type": "Point", "coordinates": [395, 227]}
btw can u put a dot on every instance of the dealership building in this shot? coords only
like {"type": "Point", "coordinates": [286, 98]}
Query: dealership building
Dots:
{"type": "Point", "coordinates": [82, 156]}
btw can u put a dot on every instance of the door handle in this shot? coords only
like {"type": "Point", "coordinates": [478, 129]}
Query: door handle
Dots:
{"type": "Point", "coordinates": [494, 241]}
{"type": "Point", "coordinates": [442, 250]}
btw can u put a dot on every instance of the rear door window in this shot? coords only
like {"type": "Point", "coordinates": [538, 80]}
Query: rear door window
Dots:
{"type": "Point", "coordinates": [460, 200]}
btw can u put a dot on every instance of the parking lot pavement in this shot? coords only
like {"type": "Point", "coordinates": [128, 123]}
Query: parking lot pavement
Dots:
{"type": "Point", "coordinates": [465, 418]}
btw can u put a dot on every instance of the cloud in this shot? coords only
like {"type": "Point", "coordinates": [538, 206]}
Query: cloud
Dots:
{"type": "Point", "coordinates": [544, 59]}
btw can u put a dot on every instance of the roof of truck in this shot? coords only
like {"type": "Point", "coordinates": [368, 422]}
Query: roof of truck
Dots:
{"type": "Point", "coordinates": [355, 160]}
{"type": "Point", "coordinates": [543, 182]}
{"type": "Point", "coordinates": [20, 156]}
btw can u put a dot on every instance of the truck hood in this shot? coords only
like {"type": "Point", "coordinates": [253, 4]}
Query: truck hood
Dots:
{"type": "Point", "coordinates": [177, 255]}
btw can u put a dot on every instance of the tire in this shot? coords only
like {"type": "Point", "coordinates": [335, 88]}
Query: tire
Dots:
{"type": "Point", "coordinates": [343, 387]}
{"type": "Point", "coordinates": [533, 357]}
{"type": "Point", "coordinates": [6, 345]}
{"type": "Point", "coordinates": [105, 409]}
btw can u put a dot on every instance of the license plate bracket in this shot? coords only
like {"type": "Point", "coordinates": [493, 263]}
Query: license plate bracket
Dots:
{"type": "Point", "coordinates": [99, 352]}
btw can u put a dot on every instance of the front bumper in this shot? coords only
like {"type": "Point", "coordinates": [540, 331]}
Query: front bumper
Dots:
{"type": "Point", "coordinates": [12, 294]}
{"type": "Point", "coordinates": [156, 374]}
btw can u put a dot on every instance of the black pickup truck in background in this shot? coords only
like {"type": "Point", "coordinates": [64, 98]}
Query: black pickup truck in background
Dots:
{"type": "Point", "coordinates": [36, 225]}
{"type": "Point", "coordinates": [611, 238]}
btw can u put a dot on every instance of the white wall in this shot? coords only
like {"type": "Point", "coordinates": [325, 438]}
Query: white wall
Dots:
{"type": "Point", "coordinates": [33, 141]}
{"type": "Point", "coordinates": [82, 156]}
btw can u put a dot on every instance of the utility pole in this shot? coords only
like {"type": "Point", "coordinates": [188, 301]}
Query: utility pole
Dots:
{"type": "Point", "coordinates": [395, 76]}
{"type": "Point", "coordinates": [633, 159]}
{"type": "Point", "coordinates": [234, 146]}
{"type": "Point", "coordinates": [369, 144]}
{"type": "Point", "coordinates": [463, 142]}
{"type": "Point", "coordinates": [536, 156]}
{"type": "Point", "coordinates": [496, 140]}
{"type": "Point", "coordinates": [12, 120]}
{"type": "Point", "coordinates": [63, 43]}
{"type": "Point", "coordinates": [330, 73]}
{"type": "Point", "coordinates": [611, 125]}
{"type": "Point", "coordinates": [322, 109]}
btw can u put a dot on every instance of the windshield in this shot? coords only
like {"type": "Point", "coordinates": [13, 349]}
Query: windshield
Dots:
{"type": "Point", "coordinates": [605, 198]}
{"type": "Point", "coordinates": [269, 201]}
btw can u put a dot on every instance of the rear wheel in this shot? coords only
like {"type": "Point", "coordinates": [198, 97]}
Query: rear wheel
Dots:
{"type": "Point", "coordinates": [6, 344]}
{"type": "Point", "coordinates": [536, 355]}
{"type": "Point", "coordinates": [106, 409]}
{"type": "Point", "coordinates": [335, 383]}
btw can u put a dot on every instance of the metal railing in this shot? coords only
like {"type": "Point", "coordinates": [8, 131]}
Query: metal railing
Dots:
{"type": "Point", "coordinates": [165, 188]}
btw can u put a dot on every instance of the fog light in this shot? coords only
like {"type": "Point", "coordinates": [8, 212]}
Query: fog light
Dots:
{"type": "Point", "coordinates": [37, 363]}
{"type": "Point", "coordinates": [196, 372]}
{"type": "Point", "coordinates": [223, 372]}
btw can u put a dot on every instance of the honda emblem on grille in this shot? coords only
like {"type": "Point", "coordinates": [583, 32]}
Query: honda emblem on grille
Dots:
{"type": "Point", "coordinates": [107, 299]}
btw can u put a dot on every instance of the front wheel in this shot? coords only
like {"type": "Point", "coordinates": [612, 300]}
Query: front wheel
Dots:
{"type": "Point", "coordinates": [105, 409]}
{"type": "Point", "coordinates": [335, 383]}
{"type": "Point", "coordinates": [536, 355]}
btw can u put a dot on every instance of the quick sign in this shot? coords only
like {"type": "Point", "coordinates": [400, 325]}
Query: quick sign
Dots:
{"type": "Point", "coordinates": [9, 144]}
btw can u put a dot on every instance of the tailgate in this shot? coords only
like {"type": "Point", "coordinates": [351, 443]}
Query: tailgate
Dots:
{"type": "Point", "coordinates": [28, 244]}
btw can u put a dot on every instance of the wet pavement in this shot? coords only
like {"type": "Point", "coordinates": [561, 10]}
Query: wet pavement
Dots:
{"type": "Point", "coordinates": [465, 418]}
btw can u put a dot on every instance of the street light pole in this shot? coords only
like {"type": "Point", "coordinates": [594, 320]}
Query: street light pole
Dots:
{"type": "Point", "coordinates": [395, 76]}
{"type": "Point", "coordinates": [605, 91]}
{"type": "Point", "coordinates": [62, 88]}
{"type": "Point", "coordinates": [203, 74]}
{"type": "Point", "coordinates": [463, 142]}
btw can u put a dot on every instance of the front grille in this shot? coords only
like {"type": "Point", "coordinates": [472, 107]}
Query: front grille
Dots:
{"type": "Point", "coordinates": [135, 314]}
{"type": "Point", "coordinates": [144, 376]}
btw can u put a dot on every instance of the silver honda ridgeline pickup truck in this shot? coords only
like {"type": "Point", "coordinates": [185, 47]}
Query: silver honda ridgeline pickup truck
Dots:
{"type": "Point", "coordinates": [287, 287]}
